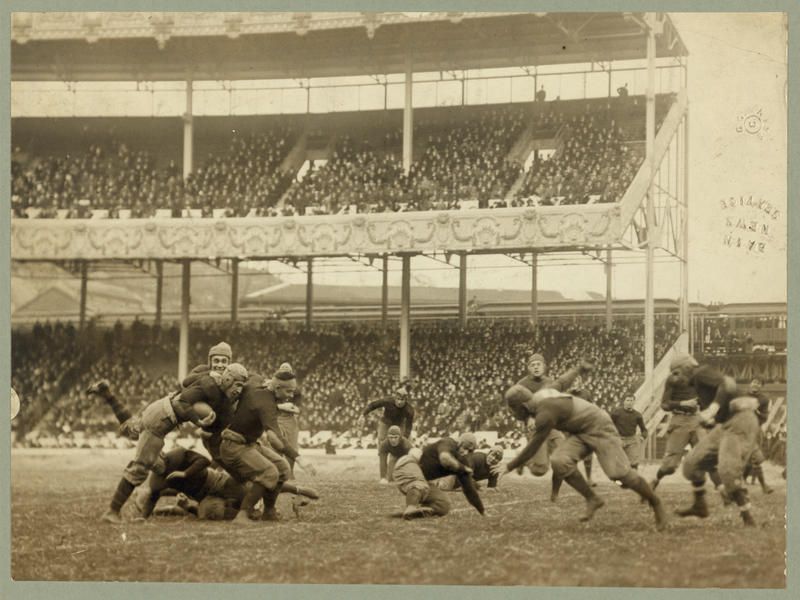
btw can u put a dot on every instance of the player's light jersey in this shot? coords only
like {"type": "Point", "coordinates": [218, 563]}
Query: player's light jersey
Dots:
{"type": "Point", "coordinates": [406, 471]}
{"type": "Point", "coordinates": [583, 416]}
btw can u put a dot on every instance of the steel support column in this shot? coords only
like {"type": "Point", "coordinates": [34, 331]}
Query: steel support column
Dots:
{"type": "Point", "coordinates": [405, 318]}
{"type": "Point", "coordinates": [408, 117]}
{"type": "Point", "coordinates": [159, 290]}
{"type": "Point", "coordinates": [234, 289]}
{"type": "Point", "coordinates": [310, 293]}
{"type": "Point", "coordinates": [188, 131]}
{"type": "Point", "coordinates": [84, 287]}
{"type": "Point", "coordinates": [650, 128]}
{"type": "Point", "coordinates": [609, 267]}
{"type": "Point", "coordinates": [462, 289]}
{"type": "Point", "coordinates": [534, 289]}
{"type": "Point", "coordinates": [385, 291]}
{"type": "Point", "coordinates": [183, 345]}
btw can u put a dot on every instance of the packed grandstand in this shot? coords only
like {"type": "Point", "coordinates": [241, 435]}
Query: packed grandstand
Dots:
{"type": "Point", "coordinates": [535, 154]}
{"type": "Point", "coordinates": [459, 374]}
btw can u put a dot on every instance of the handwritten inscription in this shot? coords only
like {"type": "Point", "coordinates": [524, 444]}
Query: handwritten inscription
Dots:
{"type": "Point", "coordinates": [749, 224]}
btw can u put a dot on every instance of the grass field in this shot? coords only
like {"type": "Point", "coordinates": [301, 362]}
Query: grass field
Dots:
{"type": "Point", "coordinates": [347, 536]}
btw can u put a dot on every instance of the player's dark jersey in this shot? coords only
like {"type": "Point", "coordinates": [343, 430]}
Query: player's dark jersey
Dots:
{"type": "Point", "coordinates": [257, 412]}
{"type": "Point", "coordinates": [403, 416]}
{"type": "Point", "coordinates": [195, 468]}
{"type": "Point", "coordinates": [706, 380]}
{"type": "Point", "coordinates": [763, 407]}
{"type": "Point", "coordinates": [397, 451]}
{"type": "Point", "coordinates": [432, 468]}
{"type": "Point", "coordinates": [676, 392]}
{"type": "Point", "coordinates": [204, 389]}
{"type": "Point", "coordinates": [534, 384]}
{"type": "Point", "coordinates": [626, 421]}
{"type": "Point", "coordinates": [481, 470]}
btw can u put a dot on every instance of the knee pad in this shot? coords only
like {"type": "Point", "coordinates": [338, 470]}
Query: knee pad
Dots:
{"type": "Point", "coordinates": [561, 469]}
{"type": "Point", "coordinates": [136, 473]}
{"type": "Point", "coordinates": [538, 471]}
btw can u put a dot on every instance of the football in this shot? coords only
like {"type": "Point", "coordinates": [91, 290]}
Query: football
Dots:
{"type": "Point", "coordinates": [202, 409]}
{"type": "Point", "coordinates": [14, 404]}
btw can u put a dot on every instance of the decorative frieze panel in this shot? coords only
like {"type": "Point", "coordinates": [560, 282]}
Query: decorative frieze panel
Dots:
{"type": "Point", "coordinates": [503, 229]}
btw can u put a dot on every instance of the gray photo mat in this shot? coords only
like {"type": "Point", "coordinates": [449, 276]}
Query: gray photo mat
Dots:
{"type": "Point", "coordinates": [85, 591]}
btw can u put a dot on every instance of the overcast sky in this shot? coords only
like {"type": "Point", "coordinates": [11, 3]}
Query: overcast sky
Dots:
{"type": "Point", "coordinates": [737, 67]}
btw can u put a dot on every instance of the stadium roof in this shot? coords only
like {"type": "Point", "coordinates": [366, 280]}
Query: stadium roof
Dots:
{"type": "Point", "coordinates": [237, 46]}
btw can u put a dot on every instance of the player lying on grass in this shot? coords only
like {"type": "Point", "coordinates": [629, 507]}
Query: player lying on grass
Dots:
{"type": "Point", "coordinates": [164, 415]}
{"type": "Point", "coordinates": [216, 494]}
{"type": "Point", "coordinates": [730, 444]}
{"type": "Point", "coordinates": [535, 380]}
{"type": "Point", "coordinates": [486, 466]}
{"type": "Point", "coordinates": [245, 457]}
{"type": "Point", "coordinates": [590, 429]}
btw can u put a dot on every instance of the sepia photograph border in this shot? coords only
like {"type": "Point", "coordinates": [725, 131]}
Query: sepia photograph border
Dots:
{"type": "Point", "coordinates": [96, 591]}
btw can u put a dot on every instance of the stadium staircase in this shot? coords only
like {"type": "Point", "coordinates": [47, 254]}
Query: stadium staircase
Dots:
{"type": "Point", "coordinates": [529, 142]}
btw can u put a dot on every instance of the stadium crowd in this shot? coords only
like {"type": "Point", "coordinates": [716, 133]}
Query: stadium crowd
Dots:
{"type": "Point", "coordinates": [459, 375]}
{"type": "Point", "coordinates": [459, 158]}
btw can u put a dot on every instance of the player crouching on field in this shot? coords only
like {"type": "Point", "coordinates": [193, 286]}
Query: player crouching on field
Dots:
{"type": "Point", "coordinates": [422, 499]}
{"type": "Point", "coordinates": [591, 430]}
{"type": "Point", "coordinates": [162, 416]}
{"type": "Point", "coordinates": [728, 447]}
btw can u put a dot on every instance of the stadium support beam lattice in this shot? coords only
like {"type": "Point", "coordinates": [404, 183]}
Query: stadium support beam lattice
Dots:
{"type": "Point", "coordinates": [188, 130]}
{"type": "Point", "coordinates": [310, 293]}
{"type": "Point", "coordinates": [385, 290]}
{"type": "Point", "coordinates": [84, 286]}
{"type": "Point", "coordinates": [408, 117]}
{"type": "Point", "coordinates": [609, 268]}
{"type": "Point", "coordinates": [650, 129]}
{"type": "Point", "coordinates": [234, 289]}
{"type": "Point", "coordinates": [462, 289]}
{"type": "Point", "coordinates": [534, 288]}
{"type": "Point", "coordinates": [684, 147]}
{"type": "Point", "coordinates": [405, 317]}
{"type": "Point", "coordinates": [183, 345]}
{"type": "Point", "coordinates": [159, 290]}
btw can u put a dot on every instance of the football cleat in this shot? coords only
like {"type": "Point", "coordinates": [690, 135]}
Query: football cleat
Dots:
{"type": "Point", "coordinates": [698, 509]}
{"type": "Point", "coordinates": [592, 506]}
{"type": "Point", "coordinates": [111, 516]}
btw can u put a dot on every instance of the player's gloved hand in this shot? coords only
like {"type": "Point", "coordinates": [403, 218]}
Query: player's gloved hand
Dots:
{"type": "Point", "coordinates": [207, 420]}
{"type": "Point", "coordinates": [468, 470]}
{"type": "Point", "coordinates": [176, 475]}
{"type": "Point", "coordinates": [692, 403]}
{"type": "Point", "coordinates": [306, 466]}
{"type": "Point", "coordinates": [288, 407]}
{"type": "Point", "coordinates": [216, 376]}
{"type": "Point", "coordinates": [497, 469]}
{"type": "Point", "coordinates": [130, 429]}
